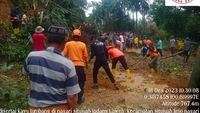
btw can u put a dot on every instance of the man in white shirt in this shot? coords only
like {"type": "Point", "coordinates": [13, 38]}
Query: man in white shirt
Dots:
{"type": "Point", "coordinates": [122, 42]}
{"type": "Point", "coordinates": [172, 44]}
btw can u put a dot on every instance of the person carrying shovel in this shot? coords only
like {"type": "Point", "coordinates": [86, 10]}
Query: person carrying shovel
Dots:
{"type": "Point", "coordinates": [153, 54]}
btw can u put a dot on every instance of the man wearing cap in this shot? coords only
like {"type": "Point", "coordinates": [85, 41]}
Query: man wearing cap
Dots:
{"type": "Point", "coordinates": [53, 80]}
{"type": "Point", "coordinates": [77, 52]}
{"type": "Point", "coordinates": [39, 39]}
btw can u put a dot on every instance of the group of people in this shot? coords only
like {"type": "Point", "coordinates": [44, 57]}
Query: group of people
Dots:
{"type": "Point", "coordinates": [148, 47]}
{"type": "Point", "coordinates": [56, 68]}
{"type": "Point", "coordinates": [184, 46]}
{"type": "Point", "coordinates": [17, 19]}
{"type": "Point", "coordinates": [124, 40]}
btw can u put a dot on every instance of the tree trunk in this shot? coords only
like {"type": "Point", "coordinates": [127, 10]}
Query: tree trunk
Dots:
{"type": "Point", "coordinates": [41, 16]}
{"type": "Point", "coordinates": [133, 16]}
{"type": "Point", "coordinates": [136, 24]}
{"type": "Point", "coordinates": [34, 4]}
{"type": "Point", "coordinates": [143, 16]}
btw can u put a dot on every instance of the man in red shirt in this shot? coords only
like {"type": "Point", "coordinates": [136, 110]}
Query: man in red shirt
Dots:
{"type": "Point", "coordinates": [118, 55]}
{"type": "Point", "coordinates": [39, 39]}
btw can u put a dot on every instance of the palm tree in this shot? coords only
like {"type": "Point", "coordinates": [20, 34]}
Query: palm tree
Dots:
{"type": "Point", "coordinates": [137, 6]}
{"type": "Point", "coordinates": [144, 8]}
{"type": "Point", "coordinates": [137, 9]}
{"type": "Point", "coordinates": [134, 5]}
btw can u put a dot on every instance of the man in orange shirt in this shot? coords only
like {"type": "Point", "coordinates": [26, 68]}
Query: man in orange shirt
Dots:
{"type": "Point", "coordinates": [152, 52]}
{"type": "Point", "coordinates": [118, 55]}
{"type": "Point", "coordinates": [77, 52]}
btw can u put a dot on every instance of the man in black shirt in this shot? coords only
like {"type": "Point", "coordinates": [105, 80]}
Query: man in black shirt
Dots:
{"type": "Point", "coordinates": [99, 50]}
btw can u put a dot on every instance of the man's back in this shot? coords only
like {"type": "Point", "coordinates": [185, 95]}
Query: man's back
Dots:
{"type": "Point", "coordinates": [52, 77]}
{"type": "Point", "coordinates": [114, 52]}
{"type": "Point", "coordinates": [187, 45]}
{"type": "Point", "coordinates": [172, 42]}
{"type": "Point", "coordinates": [136, 40]}
{"type": "Point", "coordinates": [121, 38]}
{"type": "Point", "coordinates": [160, 46]}
{"type": "Point", "coordinates": [77, 52]}
{"type": "Point", "coordinates": [99, 50]}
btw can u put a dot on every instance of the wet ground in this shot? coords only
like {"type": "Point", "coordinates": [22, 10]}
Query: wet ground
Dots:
{"type": "Point", "coordinates": [131, 93]}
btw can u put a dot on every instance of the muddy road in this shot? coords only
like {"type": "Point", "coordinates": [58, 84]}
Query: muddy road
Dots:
{"type": "Point", "coordinates": [131, 93]}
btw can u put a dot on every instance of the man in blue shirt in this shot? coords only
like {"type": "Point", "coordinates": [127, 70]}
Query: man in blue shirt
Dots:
{"type": "Point", "coordinates": [53, 79]}
{"type": "Point", "coordinates": [160, 47]}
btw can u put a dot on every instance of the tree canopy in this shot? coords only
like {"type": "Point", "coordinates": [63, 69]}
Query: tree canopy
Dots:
{"type": "Point", "coordinates": [115, 15]}
{"type": "Point", "coordinates": [179, 21]}
{"type": "Point", "coordinates": [157, 19]}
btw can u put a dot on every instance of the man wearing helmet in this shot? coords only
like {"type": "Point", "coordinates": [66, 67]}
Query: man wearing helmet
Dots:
{"type": "Point", "coordinates": [152, 52]}
{"type": "Point", "coordinates": [77, 52]}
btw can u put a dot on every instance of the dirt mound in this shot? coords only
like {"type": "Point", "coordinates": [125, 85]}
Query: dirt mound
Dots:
{"type": "Point", "coordinates": [5, 11]}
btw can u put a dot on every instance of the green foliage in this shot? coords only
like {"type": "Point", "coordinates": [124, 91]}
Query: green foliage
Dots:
{"type": "Point", "coordinates": [110, 15]}
{"type": "Point", "coordinates": [67, 13]}
{"type": "Point", "coordinates": [178, 21]}
{"type": "Point", "coordinates": [175, 66]}
{"type": "Point", "coordinates": [16, 48]}
{"type": "Point", "coordinates": [114, 15]}
{"type": "Point", "coordinates": [164, 36]}
{"type": "Point", "coordinates": [192, 28]}
{"type": "Point", "coordinates": [13, 90]}
{"type": "Point", "coordinates": [152, 28]}
{"type": "Point", "coordinates": [16, 2]}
